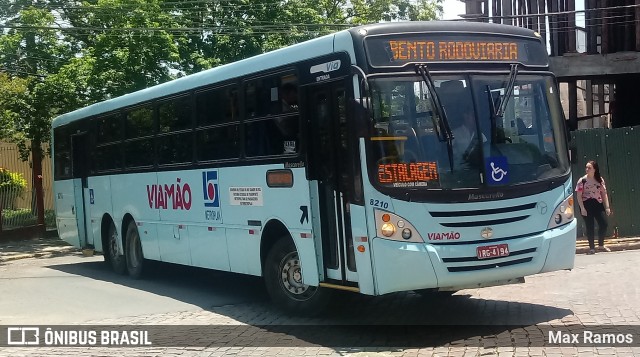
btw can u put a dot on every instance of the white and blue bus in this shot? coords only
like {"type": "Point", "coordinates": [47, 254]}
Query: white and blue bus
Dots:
{"type": "Point", "coordinates": [425, 156]}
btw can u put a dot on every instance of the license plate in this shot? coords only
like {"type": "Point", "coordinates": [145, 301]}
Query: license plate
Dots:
{"type": "Point", "coordinates": [492, 251]}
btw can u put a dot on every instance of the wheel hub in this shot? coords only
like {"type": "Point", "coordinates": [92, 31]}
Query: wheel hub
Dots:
{"type": "Point", "coordinates": [292, 275]}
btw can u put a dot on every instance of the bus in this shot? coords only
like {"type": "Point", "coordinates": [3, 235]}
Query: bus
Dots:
{"type": "Point", "coordinates": [339, 163]}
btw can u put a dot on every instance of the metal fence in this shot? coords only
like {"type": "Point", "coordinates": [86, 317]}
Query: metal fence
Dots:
{"type": "Point", "coordinates": [19, 206]}
{"type": "Point", "coordinates": [616, 151]}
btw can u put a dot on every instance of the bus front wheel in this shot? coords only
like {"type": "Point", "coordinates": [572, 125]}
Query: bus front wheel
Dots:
{"type": "Point", "coordinates": [133, 251]}
{"type": "Point", "coordinates": [283, 279]}
{"type": "Point", "coordinates": [115, 258]}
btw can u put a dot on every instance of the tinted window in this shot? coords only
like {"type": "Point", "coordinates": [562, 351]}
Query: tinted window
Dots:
{"type": "Point", "coordinates": [272, 113]}
{"type": "Point", "coordinates": [219, 143]}
{"type": "Point", "coordinates": [175, 149]}
{"type": "Point", "coordinates": [139, 153]}
{"type": "Point", "coordinates": [109, 129]}
{"type": "Point", "coordinates": [62, 152]}
{"type": "Point", "coordinates": [140, 122]}
{"type": "Point", "coordinates": [107, 157]}
{"type": "Point", "coordinates": [217, 106]}
{"type": "Point", "coordinates": [174, 114]}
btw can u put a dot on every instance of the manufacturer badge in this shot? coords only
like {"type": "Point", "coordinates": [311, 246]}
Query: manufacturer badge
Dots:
{"type": "Point", "coordinates": [486, 232]}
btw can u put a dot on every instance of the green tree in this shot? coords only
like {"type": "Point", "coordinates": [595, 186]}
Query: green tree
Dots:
{"type": "Point", "coordinates": [31, 50]}
{"type": "Point", "coordinates": [60, 56]}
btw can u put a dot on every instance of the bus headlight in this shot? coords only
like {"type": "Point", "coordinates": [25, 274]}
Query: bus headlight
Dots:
{"type": "Point", "coordinates": [388, 229]}
{"type": "Point", "coordinates": [393, 227]}
{"type": "Point", "coordinates": [563, 214]}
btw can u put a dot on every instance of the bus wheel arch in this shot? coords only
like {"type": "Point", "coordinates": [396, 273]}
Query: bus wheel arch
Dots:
{"type": "Point", "coordinates": [272, 232]}
{"type": "Point", "coordinates": [283, 277]}
{"type": "Point", "coordinates": [110, 242]}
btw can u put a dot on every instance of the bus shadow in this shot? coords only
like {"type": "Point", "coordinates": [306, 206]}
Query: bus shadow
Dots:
{"type": "Point", "coordinates": [201, 287]}
{"type": "Point", "coordinates": [393, 320]}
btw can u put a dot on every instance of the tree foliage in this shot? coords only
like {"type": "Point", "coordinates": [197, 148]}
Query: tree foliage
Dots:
{"type": "Point", "coordinates": [59, 56]}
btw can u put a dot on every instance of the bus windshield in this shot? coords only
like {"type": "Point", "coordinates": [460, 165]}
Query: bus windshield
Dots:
{"type": "Point", "coordinates": [502, 135]}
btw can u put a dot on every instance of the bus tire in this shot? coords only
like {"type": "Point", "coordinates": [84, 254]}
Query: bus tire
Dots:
{"type": "Point", "coordinates": [283, 280]}
{"type": "Point", "coordinates": [434, 292]}
{"type": "Point", "coordinates": [117, 260]}
{"type": "Point", "coordinates": [133, 251]}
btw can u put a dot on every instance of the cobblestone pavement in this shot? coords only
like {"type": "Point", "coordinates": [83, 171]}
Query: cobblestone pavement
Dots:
{"type": "Point", "coordinates": [602, 290]}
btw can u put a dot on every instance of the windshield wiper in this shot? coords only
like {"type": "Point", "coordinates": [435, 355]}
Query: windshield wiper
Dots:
{"type": "Point", "coordinates": [493, 115]}
{"type": "Point", "coordinates": [509, 90]}
{"type": "Point", "coordinates": [442, 122]}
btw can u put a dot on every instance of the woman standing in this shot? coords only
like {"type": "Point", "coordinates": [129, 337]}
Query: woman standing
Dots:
{"type": "Point", "coordinates": [594, 204]}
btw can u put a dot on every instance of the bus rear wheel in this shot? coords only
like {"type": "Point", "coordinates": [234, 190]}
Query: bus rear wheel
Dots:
{"type": "Point", "coordinates": [434, 293]}
{"type": "Point", "coordinates": [283, 279]}
{"type": "Point", "coordinates": [117, 260]}
{"type": "Point", "coordinates": [133, 251]}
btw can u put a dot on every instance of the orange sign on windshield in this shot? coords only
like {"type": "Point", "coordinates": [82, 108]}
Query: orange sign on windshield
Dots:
{"type": "Point", "coordinates": [407, 172]}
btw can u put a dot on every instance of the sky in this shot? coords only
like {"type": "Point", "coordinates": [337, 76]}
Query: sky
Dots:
{"type": "Point", "coordinates": [452, 8]}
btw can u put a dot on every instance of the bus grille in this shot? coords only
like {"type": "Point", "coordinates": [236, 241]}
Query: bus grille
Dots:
{"type": "Point", "coordinates": [472, 219]}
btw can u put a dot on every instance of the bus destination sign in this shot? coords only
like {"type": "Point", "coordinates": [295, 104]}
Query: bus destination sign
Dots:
{"type": "Point", "coordinates": [413, 174]}
{"type": "Point", "coordinates": [421, 51]}
{"type": "Point", "coordinates": [399, 50]}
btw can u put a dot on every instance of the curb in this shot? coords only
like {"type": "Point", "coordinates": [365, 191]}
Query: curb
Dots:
{"type": "Point", "coordinates": [614, 247]}
{"type": "Point", "coordinates": [62, 251]}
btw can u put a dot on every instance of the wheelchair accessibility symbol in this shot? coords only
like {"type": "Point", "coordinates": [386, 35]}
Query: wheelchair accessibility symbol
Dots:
{"type": "Point", "coordinates": [497, 170]}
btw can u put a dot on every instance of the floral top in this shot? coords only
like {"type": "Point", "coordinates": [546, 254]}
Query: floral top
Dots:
{"type": "Point", "coordinates": [591, 189]}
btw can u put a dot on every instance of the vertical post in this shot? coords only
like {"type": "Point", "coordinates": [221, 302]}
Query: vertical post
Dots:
{"type": "Point", "coordinates": [589, 99]}
{"type": "Point", "coordinates": [591, 27]}
{"type": "Point", "coordinates": [637, 23]}
{"type": "Point", "coordinates": [553, 28]}
{"type": "Point", "coordinates": [36, 156]}
{"type": "Point", "coordinates": [571, 46]}
{"type": "Point", "coordinates": [601, 109]}
{"type": "Point", "coordinates": [604, 40]}
{"type": "Point", "coordinates": [543, 20]}
{"type": "Point", "coordinates": [506, 11]}
{"type": "Point", "coordinates": [573, 103]}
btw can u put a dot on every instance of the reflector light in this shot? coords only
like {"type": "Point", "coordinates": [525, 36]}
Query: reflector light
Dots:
{"type": "Point", "coordinates": [361, 248]}
{"type": "Point", "coordinates": [280, 178]}
{"type": "Point", "coordinates": [386, 217]}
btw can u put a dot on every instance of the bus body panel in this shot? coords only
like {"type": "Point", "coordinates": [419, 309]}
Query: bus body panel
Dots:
{"type": "Point", "coordinates": [363, 260]}
{"type": "Point", "coordinates": [248, 204]}
{"type": "Point", "coordinates": [65, 212]}
{"type": "Point", "coordinates": [99, 204]}
{"type": "Point", "coordinates": [130, 196]}
{"type": "Point", "coordinates": [561, 252]}
{"type": "Point", "coordinates": [208, 247]}
{"type": "Point", "coordinates": [401, 266]}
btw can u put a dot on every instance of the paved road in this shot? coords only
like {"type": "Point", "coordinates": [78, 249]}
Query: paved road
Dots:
{"type": "Point", "coordinates": [603, 290]}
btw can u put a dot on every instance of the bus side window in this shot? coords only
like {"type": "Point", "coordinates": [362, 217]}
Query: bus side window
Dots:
{"type": "Point", "coordinates": [218, 127]}
{"type": "Point", "coordinates": [272, 123]}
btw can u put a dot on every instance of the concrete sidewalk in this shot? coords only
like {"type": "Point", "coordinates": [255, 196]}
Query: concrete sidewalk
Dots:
{"type": "Point", "coordinates": [34, 248]}
{"type": "Point", "coordinates": [52, 246]}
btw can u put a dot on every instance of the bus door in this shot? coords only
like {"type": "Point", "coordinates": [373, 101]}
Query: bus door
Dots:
{"type": "Point", "coordinates": [80, 169]}
{"type": "Point", "coordinates": [329, 163]}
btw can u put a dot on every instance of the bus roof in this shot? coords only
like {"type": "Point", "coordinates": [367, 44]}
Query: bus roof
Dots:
{"type": "Point", "coordinates": [277, 58]}
{"type": "Point", "coordinates": [273, 59]}
{"type": "Point", "coordinates": [444, 26]}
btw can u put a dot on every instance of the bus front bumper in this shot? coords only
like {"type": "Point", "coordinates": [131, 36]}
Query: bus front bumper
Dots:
{"type": "Point", "coordinates": [402, 266]}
